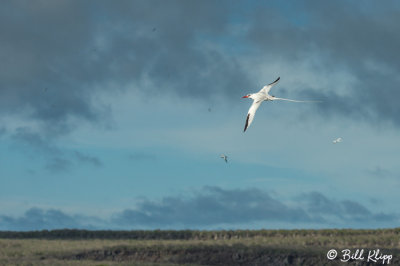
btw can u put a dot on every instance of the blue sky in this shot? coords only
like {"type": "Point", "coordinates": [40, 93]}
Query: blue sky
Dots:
{"type": "Point", "coordinates": [113, 115]}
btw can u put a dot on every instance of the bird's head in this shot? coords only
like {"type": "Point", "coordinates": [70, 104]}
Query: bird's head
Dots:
{"type": "Point", "coordinates": [248, 96]}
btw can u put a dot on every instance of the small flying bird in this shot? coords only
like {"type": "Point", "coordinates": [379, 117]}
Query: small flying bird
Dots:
{"type": "Point", "coordinates": [209, 109]}
{"type": "Point", "coordinates": [223, 156]}
{"type": "Point", "coordinates": [337, 140]}
{"type": "Point", "coordinates": [259, 97]}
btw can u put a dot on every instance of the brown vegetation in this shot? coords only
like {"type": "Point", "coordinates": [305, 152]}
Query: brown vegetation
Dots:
{"type": "Point", "coordinates": [243, 247]}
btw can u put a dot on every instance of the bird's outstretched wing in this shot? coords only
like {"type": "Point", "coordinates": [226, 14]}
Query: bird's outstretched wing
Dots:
{"type": "Point", "coordinates": [251, 114]}
{"type": "Point", "coordinates": [337, 140]}
{"type": "Point", "coordinates": [223, 156]}
{"type": "Point", "coordinates": [297, 101]}
{"type": "Point", "coordinates": [268, 87]}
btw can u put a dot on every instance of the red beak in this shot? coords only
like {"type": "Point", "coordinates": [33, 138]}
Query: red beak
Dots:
{"type": "Point", "coordinates": [245, 96]}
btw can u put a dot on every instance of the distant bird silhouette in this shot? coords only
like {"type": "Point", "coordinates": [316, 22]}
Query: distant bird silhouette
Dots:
{"type": "Point", "coordinates": [223, 156]}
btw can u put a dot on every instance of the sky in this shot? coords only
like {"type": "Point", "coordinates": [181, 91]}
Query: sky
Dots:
{"type": "Point", "coordinates": [114, 114]}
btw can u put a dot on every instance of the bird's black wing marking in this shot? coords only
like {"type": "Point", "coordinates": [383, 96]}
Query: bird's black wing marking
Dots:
{"type": "Point", "coordinates": [275, 81]}
{"type": "Point", "coordinates": [247, 122]}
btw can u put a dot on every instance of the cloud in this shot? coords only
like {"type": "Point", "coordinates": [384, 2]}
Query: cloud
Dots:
{"type": "Point", "coordinates": [200, 49]}
{"type": "Point", "coordinates": [320, 205]}
{"type": "Point", "coordinates": [58, 165]}
{"type": "Point", "coordinates": [214, 207]}
{"type": "Point", "coordinates": [39, 219]}
{"type": "Point", "coordinates": [83, 158]}
{"type": "Point", "coordinates": [38, 146]}
{"type": "Point", "coordinates": [55, 70]}
{"type": "Point", "coordinates": [344, 211]}
{"type": "Point", "coordinates": [57, 159]}
{"type": "Point", "coordinates": [210, 207]}
{"type": "Point", "coordinates": [47, 56]}
{"type": "Point", "coordinates": [26, 137]}
{"type": "Point", "coordinates": [359, 41]}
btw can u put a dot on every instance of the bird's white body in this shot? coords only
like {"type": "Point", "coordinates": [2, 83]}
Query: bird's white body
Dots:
{"type": "Point", "coordinates": [337, 140]}
{"type": "Point", "coordinates": [223, 156]}
{"type": "Point", "coordinates": [259, 97]}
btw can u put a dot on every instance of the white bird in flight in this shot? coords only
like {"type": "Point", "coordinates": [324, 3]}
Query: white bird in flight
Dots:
{"type": "Point", "coordinates": [223, 156]}
{"type": "Point", "coordinates": [337, 140]}
{"type": "Point", "coordinates": [259, 97]}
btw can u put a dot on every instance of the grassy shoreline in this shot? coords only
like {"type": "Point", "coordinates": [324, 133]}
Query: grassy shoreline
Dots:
{"type": "Point", "coordinates": [242, 247]}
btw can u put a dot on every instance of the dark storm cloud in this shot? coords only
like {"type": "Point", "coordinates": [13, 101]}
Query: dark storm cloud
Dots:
{"type": "Point", "coordinates": [359, 38]}
{"type": "Point", "coordinates": [213, 207]}
{"type": "Point", "coordinates": [55, 57]}
{"type": "Point", "coordinates": [41, 47]}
